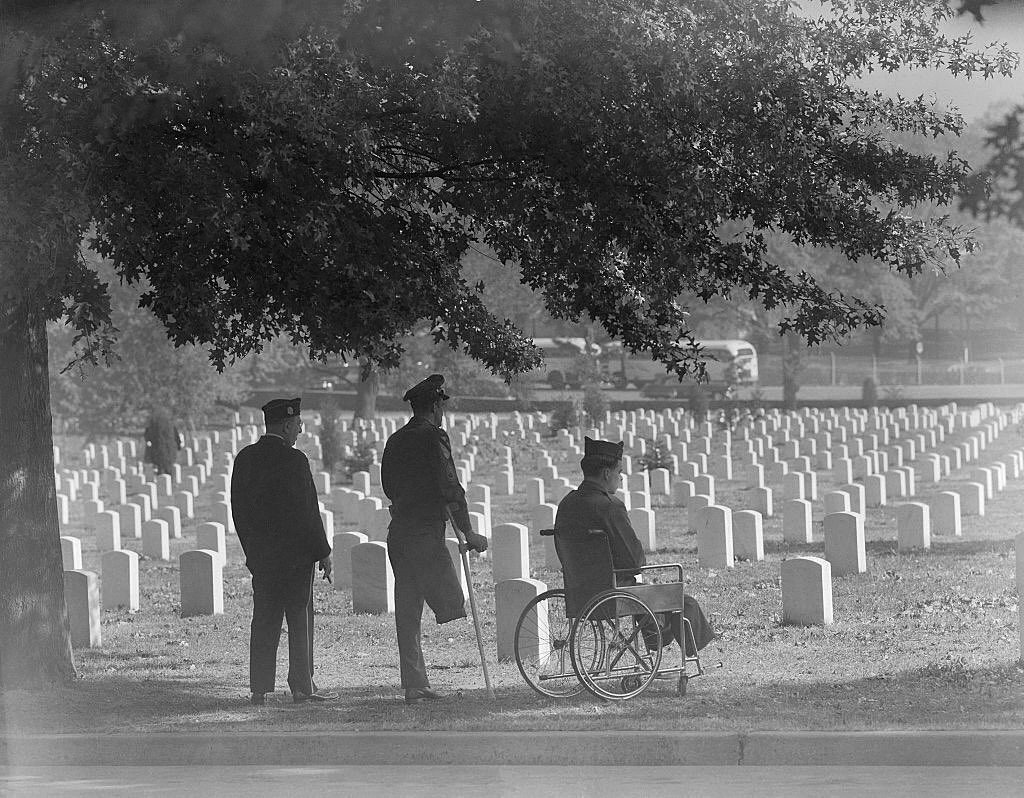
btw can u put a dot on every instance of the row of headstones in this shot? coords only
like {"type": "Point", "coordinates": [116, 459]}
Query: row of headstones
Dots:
{"type": "Point", "coordinates": [803, 484]}
{"type": "Point", "coordinates": [807, 581]}
{"type": "Point", "coordinates": [200, 575]}
{"type": "Point", "coordinates": [723, 534]}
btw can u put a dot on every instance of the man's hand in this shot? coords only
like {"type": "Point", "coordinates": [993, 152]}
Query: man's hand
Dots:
{"type": "Point", "coordinates": [475, 542]}
{"type": "Point", "coordinates": [326, 566]}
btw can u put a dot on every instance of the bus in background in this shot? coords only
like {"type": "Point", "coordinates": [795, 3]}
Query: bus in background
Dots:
{"type": "Point", "coordinates": [731, 362]}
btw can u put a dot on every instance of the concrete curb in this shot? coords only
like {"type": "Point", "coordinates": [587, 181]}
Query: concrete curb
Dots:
{"type": "Point", "coordinates": [1005, 748]}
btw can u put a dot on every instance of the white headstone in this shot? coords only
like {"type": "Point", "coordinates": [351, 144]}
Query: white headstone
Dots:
{"type": "Point", "coordinates": [510, 552]}
{"type": "Point", "coordinates": [202, 583]}
{"type": "Point", "coordinates": [695, 511]}
{"type": "Point", "coordinates": [82, 597]}
{"type": "Point", "coordinates": [946, 513]}
{"type": "Point", "coordinates": [972, 498]}
{"type": "Point", "coordinates": [361, 482]}
{"type": "Point", "coordinates": [856, 493]}
{"type": "Point", "coordinates": [837, 501]}
{"type": "Point", "coordinates": [535, 491]}
{"type": "Point", "coordinates": [543, 517]}
{"type": "Point", "coordinates": [172, 515]}
{"type": "Point", "coordinates": [913, 526]}
{"type": "Point", "coordinates": [844, 543]}
{"type": "Point", "coordinates": [510, 599]}
{"type": "Point", "coordinates": [155, 542]}
{"type": "Point", "coordinates": [748, 535]}
{"type": "Point", "coordinates": [661, 480]}
{"type": "Point", "coordinates": [452, 545]}
{"type": "Point", "coordinates": [714, 538]}
{"type": "Point", "coordinates": [762, 500]}
{"type": "Point", "coordinates": [682, 490]}
{"type": "Point", "coordinates": [108, 531]}
{"type": "Point", "coordinates": [210, 536]}
{"type": "Point", "coordinates": [373, 581]}
{"type": "Point", "coordinates": [130, 521]}
{"type": "Point", "coordinates": [120, 580]}
{"type": "Point", "coordinates": [342, 557]}
{"type": "Point", "coordinates": [874, 490]}
{"type": "Point", "coordinates": [642, 521]}
{"type": "Point", "coordinates": [796, 521]}
{"type": "Point", "coordinates": [705, 485]}
{"type": "Point", "coordinates": [806, 591]}
{"type": "Point", "coordinates": [71, 553]}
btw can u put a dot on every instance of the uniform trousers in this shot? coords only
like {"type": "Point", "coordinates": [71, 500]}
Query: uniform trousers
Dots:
{"type": "Point", "coordinates": [424, 572]}
{"type": "Point", "coordinates": [275, 596]}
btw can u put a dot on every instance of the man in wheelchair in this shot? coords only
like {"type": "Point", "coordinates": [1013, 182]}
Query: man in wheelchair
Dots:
{"type": "Point", "coordinates": [594, 505]}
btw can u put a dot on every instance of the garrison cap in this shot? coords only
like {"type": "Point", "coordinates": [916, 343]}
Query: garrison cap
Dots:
{"type": "Point", "coordinates": [280, 409]}
{"type": "Point", "coordinates": [429, 390]}
{"type": "Point", "coordinates": [607, 449]}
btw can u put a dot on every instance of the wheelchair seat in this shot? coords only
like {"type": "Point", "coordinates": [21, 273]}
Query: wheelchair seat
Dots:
{"type": "Point", "coordinates": [588, 570]}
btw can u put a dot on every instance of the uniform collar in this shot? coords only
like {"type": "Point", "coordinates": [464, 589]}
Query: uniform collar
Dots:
{"type": "Point", "coordinates": [589, 486]}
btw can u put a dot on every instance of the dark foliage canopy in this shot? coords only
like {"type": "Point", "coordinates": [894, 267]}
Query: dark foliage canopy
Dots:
{"type": "Point", "coordinates": [318, 168]}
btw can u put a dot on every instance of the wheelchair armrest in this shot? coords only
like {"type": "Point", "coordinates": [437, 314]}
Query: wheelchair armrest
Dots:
{"type": "Point", "coordinates": [676, 565]}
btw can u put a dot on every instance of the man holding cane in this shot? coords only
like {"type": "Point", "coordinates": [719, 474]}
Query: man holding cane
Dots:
{"type": "Point", "coordinates": [277, 518]}
{"type": "Point", "coordinates": [418, 476]}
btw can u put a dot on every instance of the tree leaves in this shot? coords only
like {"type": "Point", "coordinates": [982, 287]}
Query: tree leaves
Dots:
{"type": "Point", "coordinates": [623, 155]}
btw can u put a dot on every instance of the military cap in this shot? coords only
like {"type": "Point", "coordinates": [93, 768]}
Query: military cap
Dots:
{"type": "Point", "coordinates": [280, 409]}
{"type": "Point", "coordinates": [429, 390]}
{"type": "Point", "coordinates": [592, 448]}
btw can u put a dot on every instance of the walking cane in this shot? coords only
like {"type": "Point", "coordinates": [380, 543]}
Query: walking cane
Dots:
{"type": "Point", "coordinates": [472, 601]}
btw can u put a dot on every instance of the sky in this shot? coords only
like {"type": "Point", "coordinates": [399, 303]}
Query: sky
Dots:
{"type": "Point", "coordinates": [1003, 22]}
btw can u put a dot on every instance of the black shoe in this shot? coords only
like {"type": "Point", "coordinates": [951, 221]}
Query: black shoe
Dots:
{"type": "Point", "coordinates": [416, 694]}
{"type": "Point", "coordinates": [259, 699]}
{"type": "Point", "coordinates": [316, 695]}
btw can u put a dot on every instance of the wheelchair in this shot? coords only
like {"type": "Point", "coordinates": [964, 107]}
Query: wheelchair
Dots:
{"type": "Point", "coordinates": [595, 635]}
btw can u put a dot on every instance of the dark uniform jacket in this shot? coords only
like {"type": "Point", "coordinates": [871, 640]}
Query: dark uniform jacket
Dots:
{"type": "Point", "coordinates": [418, 476]}
{"type": "Point", "coordinates": [591, 507]}
{"type": "Point", "coordinates": [274, 507]}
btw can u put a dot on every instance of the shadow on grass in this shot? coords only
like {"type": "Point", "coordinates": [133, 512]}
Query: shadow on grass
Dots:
{"type": "Point", "coordinates": [944, 694]}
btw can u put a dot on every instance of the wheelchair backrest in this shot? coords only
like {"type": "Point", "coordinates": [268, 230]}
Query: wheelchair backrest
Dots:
{"type": "Point", "coordinates": [586, 559]}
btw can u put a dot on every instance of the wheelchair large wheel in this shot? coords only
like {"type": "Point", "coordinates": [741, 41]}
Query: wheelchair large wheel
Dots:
{"type": "Point", "coordinates": [626, 660]}
{"type": "Point", "coordinates": [542, 646]}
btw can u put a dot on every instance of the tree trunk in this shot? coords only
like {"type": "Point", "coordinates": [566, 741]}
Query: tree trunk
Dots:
{"type": "Point", "coordinates": [792, 366]}
{"type": "Point", "coordinates": [35, 644]}
{"type": "Point", "coordinates": [366, 395]}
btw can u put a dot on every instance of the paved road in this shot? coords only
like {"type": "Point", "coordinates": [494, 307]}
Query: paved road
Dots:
{"type": "Point", "coordinates": [411, 781]}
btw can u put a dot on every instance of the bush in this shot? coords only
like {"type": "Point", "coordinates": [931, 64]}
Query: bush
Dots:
{"type": "Point", "coordinates": [869, 393]}
{"type": "Point", "coordinates": [655, 456]}
{"type": "Point", "coordinates": [360, 460]}
{"type": "Point", "coordinates": [565, 416]}
{"type": "Point", "coordinates": [595, 403]}
{"type": "Point", "coordinates": [161, 442]}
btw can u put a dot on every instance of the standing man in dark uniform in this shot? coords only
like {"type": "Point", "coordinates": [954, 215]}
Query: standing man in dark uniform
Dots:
{"type": "Point", "coordinates": [277, 518]}
{"type": "Point", "coordinates": [418, 476]}
{"type": "Point", "coordinates": [594, 505]}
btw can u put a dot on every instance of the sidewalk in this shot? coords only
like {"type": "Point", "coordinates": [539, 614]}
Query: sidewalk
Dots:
{"type": "Point", "coordinates": [981, 747]}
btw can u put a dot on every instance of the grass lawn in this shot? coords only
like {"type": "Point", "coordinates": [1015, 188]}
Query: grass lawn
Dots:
{"type": "Point", "coordinates": [923, 640]}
